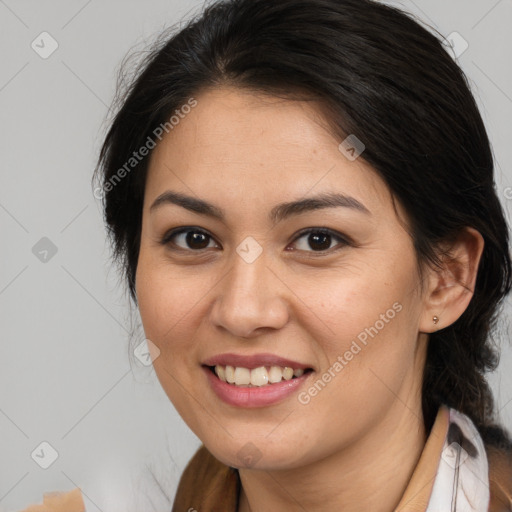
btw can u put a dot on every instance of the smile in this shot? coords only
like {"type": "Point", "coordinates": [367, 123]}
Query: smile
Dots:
{"type": "Point", "coordinates": [256, 377]}
{"type": "Point", "coordinates": [243, 393]}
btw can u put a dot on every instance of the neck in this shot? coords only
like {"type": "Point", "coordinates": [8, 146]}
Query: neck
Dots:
{"type": "Point", "coordinates": [371, 474]}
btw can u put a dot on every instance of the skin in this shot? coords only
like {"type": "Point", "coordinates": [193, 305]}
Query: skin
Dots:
{"type": "Point", "coordinates": [354, 446]}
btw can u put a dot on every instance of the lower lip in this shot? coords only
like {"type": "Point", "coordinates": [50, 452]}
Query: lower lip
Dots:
{"type": "Point", "coordinates": [254, 396]}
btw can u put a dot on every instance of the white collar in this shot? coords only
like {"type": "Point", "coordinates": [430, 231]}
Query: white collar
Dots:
{"type": "Point", "coordinates": [462, 479]}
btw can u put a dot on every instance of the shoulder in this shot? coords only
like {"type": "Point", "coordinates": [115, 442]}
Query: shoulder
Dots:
{"type": "Point", "coordinates": [207, 485]}
{"type": "Point", "coordinates": [60, 502]}
{"type": "Point", "coordinates": [500, 478]}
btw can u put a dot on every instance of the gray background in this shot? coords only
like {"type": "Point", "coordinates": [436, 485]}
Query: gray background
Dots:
{"type": "Point", "coordinates": [65, 374]}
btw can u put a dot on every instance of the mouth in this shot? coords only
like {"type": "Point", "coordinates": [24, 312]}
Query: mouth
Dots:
{"type": "Point", "coordinates": [260, 377]}
{"type": "Point", "coordinates": [261, 386]}
{"type": "Point", "coordinates": [256, 380]}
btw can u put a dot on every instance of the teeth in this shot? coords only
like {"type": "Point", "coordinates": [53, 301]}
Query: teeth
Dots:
{"type": "Point", "coordinates": [221, 372]}
{"type": "Point", "coordinates": [275, 374]}
{"type": "Point", "coordinates": [259, 376]}
{"type": "Point", "coordinates": [287, 373]}
{"type": "Point", "coordinates": [256, 377]}
{"type": "Point", "coordinates": [242, 376]}
{"type": "Point", "coordinates": [230, 374]}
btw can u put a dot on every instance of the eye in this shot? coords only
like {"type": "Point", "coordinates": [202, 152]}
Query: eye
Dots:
{"type": "Point", "coordinates": [193, 238]}
{"type": "Point", "coordinates": [320, 239]}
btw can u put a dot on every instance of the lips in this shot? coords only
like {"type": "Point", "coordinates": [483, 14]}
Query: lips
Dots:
{"type": "Point", "coordinates": [254, 361]}
{"type": "Point", "coordinates": [250, 397]}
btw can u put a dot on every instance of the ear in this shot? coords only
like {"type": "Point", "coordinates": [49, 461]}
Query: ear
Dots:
{"type": "Point", "coordinates": [450, 288]}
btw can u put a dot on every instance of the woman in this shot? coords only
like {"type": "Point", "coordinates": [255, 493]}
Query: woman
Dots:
{"type": "Point", "coordinates": [301, 196]}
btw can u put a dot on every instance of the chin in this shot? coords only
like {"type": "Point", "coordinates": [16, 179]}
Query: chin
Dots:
{"type": "Point", "coordinates": [257, 452]}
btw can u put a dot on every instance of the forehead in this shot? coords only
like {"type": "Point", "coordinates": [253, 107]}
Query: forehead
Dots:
{"type": "Point", "coordinates": [232, 123]}
{"type": "Point", "coordinates": [238, 145]}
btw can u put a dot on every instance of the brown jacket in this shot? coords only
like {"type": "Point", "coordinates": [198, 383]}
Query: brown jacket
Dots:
{"type": "Point", "coordinates": [208, 485]}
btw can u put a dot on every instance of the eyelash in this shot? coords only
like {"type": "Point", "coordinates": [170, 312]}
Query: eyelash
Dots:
{"type": "Point", "coordinates": [344, 240]}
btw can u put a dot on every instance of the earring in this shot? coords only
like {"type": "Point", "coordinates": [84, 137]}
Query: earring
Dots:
{"type": "Point", "coordinates": [435, 319]}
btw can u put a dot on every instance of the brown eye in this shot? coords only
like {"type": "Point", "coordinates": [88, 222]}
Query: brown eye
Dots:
{"type": "Point", "coordinates": [190, 238]}
{"type": "Point", "coordinates": [317, 240]}
{"type": "Point", "coordinates": [320, 240]}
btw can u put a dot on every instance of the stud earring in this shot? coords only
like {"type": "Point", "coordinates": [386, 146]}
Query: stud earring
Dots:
{"type": "Point", "coordinates": [435, 319]}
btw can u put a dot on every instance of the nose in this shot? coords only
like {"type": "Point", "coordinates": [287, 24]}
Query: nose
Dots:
{"type": "Point", "coordinates": [250, 299]}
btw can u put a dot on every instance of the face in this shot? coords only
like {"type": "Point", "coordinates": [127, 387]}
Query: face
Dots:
{"type": "Point", "coordinates": [333, 290]}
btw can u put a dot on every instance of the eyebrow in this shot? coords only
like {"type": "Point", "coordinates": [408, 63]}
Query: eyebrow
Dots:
{"type": "Point", "coordinates": [278, 213]}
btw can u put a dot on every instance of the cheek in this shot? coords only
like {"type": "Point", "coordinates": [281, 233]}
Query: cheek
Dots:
{"type": "Point", "coordinates": [352, 306]}
{"type": "Point", "coordinates": [165, 306]}
{"type": "Point", "coordinates": [165, 294]}
{"type": "Point", "coordinates": [365, 325]}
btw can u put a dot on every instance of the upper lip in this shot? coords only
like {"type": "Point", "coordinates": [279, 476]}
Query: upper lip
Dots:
{"type": "Point", "coordinates": [254, 361]}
